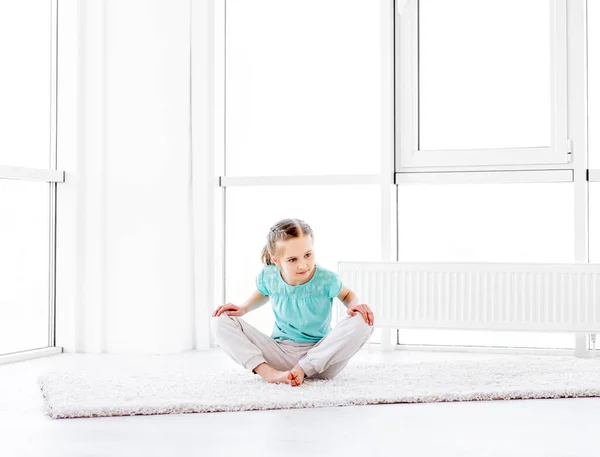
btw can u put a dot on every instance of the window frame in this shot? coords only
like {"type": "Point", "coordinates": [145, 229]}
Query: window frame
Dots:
{"type": "Point", "coordinates": [52, 176]}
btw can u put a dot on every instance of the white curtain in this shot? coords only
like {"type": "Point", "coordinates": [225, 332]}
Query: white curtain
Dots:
{"type": "Point", "coordinates": [131, 219]}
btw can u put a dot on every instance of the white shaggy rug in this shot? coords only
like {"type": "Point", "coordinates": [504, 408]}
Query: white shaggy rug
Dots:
{"type": "Point", "coordinates": [122, 393]}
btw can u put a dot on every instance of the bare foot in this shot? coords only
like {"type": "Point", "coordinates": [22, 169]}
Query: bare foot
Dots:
{"type": "Point", "coordinates": [272, 375]}
{"type": "Point", "coordinates": [296, 375]}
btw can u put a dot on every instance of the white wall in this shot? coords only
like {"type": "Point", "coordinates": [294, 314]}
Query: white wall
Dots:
{"type": "Point", "coordinates": [125, 250]}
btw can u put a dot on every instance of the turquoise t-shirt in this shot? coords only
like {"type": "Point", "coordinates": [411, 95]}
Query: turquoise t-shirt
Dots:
{"type": "Point", "coordinates": [302, 313]}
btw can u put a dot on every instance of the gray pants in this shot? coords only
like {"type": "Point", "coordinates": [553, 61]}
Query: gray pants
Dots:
{"type": "Point", "coordinates": [325, 359]}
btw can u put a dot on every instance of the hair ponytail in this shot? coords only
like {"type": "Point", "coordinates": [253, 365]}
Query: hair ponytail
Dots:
{"type": "Point", "coordinates": [282, 231]}
{"type": "Point", "coordinates": [265, 257]}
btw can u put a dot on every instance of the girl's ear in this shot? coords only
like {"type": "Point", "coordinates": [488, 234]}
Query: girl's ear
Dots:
{"type": "Point", "coordinates": [274, 260]}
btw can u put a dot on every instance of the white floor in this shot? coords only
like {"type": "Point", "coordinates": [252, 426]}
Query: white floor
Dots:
{"type": "Point", "coordinates": [544, 428]}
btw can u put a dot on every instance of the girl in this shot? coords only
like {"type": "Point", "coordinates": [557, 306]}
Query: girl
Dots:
{"type": "Point", "coordinates": [301, 293]}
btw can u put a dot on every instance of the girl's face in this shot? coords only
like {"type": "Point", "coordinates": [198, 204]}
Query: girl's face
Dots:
{"type": "Point", "coordinates": [296, 259]}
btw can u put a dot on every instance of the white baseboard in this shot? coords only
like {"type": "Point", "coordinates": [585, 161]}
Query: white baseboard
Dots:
{"type": "Point", "coordinates": [32, 354]}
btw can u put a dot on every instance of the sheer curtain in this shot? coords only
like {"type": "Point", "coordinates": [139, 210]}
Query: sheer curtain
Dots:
{"type": "Point", "coordinates": [128, 284]}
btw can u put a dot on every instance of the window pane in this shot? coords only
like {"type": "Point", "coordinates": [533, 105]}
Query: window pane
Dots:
{"type": "Point", "coordinates": [24, 260]}
{"type": "Point", "coordinates": [594, 212]}
{"type": "Point", "coordinates": [479, 86]}
{"type": "Point", "coordinates": [486, 223]}
{"type": "Point", "coordinates": [344, 219]}
{"type": "Point", "coordinates": [593, 55]}
{"type": "Point", "coordinates": [25, 47]}
{"type": "Point", "coordinates": [529, 222]}
{"type": "Point", "coordinates": [488, 339]}
{"type": "Point", "coordinates": [303, 95]}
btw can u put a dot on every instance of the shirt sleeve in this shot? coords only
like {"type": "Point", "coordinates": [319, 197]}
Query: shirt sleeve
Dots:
{"type": "Point", "coordinates": [335, 285]}
{"type": "Point", "coordinates": [261, 283]}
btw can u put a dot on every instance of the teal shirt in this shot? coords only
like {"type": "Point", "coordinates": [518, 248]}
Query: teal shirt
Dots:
{"type": "Point", "coordinates": [302, 313]}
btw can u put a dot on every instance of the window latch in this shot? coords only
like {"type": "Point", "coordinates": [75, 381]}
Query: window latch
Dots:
{"type": "Point", "coordinates": [569, 150]}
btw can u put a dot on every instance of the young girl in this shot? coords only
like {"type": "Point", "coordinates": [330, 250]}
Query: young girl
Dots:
{"type": "Point", "coordinates": [301, 293]}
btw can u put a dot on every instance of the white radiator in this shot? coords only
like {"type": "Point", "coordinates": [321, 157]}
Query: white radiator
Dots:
{"type": "Point", "coordinates": [483, 296]}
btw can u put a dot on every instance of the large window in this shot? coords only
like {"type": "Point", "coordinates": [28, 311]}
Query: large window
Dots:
{"type": "Point", "coordinates": [303, 87]}
{"type": "Point", "coordinates": [593, 10]}
{"type": "Point", "coordinates": [27, 182]}
{"type": "Point", "coordinates": [470, 99]}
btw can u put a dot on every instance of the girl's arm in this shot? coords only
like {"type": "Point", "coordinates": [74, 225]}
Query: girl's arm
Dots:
{"type": "Point", "coordinates": [347, 297]}
{"type": "Point", "coordinates": [350, 301]}
{"type": "Point", "coordinates": [255, 301]}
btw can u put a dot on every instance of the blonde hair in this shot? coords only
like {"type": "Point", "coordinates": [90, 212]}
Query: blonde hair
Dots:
{"type": "Point", "coordinates": [283, 231]}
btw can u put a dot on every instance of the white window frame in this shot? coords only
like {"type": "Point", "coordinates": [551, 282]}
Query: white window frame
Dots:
{"type": "Point", "coordinates": [407, 152]}
{"type": "Point", "coordinates": [53, 177]}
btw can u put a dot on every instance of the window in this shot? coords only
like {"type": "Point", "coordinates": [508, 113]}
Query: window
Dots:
{"type": "Point", "coordinates": [303, 95]}
{"type": "Point", "coordinates": [593, 56]}
{"type": "Point", "coordinates": [522, 222]}
{"type": "Point", "coordinates": [594, 232]}
{"type": "Point", "coordinates": [303, 99]}
{"type": "Point", "coordinates": [468, 97]}
{"type": "Point", "coordinates": [472, 94]}
{"type": "Point", "coordinates": [25, 88]}
{"type": "Point", "coordinates": [27, 182]}
{"type": "Point", "coordinates": [24, 263]}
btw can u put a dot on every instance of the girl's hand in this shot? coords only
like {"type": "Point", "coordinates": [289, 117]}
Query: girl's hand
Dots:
{"type": "Point", "coordinates": [230, 309]}
{"type": "Point", "coordinates": [363, 309]}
